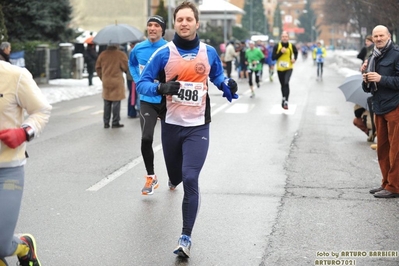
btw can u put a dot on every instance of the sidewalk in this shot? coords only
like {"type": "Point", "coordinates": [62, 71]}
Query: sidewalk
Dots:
{"type": "Point", "coordinates": [59, 90]}
{"type": "Point", "coordinates": [346, 59]}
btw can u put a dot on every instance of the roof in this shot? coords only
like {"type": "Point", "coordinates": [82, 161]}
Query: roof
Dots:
{"type": "Point", "coordinates": [219, 6]}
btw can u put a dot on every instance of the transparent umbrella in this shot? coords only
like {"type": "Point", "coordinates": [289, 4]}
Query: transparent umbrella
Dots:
{"type": "Point", "coordinates": [118, 34]}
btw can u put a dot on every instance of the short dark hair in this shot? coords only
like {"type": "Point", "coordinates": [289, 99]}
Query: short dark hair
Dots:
{"type": "Point", "coordinates": [187, 4]}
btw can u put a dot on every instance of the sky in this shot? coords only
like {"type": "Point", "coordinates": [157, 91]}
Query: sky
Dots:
{"type": "Point", "coordinates": [67, 89]}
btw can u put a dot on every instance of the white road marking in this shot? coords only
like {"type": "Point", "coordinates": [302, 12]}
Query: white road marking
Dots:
{"type": "Point", "coordinates": [223, 106]}
{"type": "Point", "coordinates": [111, 177]}
{"type": "Point", "coordinates": [240, 108]}
{"type": "Point", "coordinates": [119, 172]}
{"type": "Point", "coordinates": [79, 109]}
{"type": "Point", "coordinates": [277, 109]}
{"type": "Point", "coordinates": [326, 110]}
{"type": "Point", "coordinates": [98, 112]}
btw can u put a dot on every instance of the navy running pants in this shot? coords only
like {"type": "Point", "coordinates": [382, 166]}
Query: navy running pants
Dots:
{"type": "Point", "coordinates": [185, 150]}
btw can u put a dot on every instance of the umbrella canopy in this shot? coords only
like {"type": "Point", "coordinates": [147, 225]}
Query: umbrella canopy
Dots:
{"type": "Point", "coordinates": [353, 91]}
{"type": "Point", "coordinates": [118, 34]}
{"type": "Point", "coordinates": [89, 40]}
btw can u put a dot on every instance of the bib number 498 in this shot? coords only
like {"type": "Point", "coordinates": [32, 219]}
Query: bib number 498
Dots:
{"type": "Point", "coordinates": [188, 95]}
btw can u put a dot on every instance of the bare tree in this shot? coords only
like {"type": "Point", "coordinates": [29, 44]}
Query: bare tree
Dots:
{"type": "Point", "coordinates": [336, 12]}
{"type": "Point", "coordinates": [362, 13]}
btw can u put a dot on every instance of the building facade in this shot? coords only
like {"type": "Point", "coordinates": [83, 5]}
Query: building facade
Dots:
{"type": "Point", "coordinates": [94, 15]}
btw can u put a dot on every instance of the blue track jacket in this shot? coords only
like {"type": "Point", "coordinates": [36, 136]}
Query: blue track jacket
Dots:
{"type": "Point", "coordinates": [138, 59]}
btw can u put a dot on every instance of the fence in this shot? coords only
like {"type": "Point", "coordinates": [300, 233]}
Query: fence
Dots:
{"type": "Point", "coordinates": [45, 63]}
{"type": "Point", "coordinates": [66, 61]}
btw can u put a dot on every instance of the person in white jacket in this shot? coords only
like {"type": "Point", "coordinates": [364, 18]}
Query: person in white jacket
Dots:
{"type": "Point", "coordinates": [229, 57]}
{"type": "Point", "coordinates": [18, 94]}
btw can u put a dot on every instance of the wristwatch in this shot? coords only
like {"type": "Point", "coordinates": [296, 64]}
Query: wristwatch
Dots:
{"type": "Point", "coordinates": [29, 132]}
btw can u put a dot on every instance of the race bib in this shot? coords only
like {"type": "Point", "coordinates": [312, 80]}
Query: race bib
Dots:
{"type": "Point", "coordinates": [190, 93]}
{"type": "Point", "coordinates": [253, 65]}
{"type": "Point", "coordinates": [284, 64]}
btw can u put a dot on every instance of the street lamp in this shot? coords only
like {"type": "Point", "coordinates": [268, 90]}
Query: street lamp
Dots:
{"type": "Point", "coordinates": [250, 18]}
{"type": "Point", "coordinates": [169, 15]}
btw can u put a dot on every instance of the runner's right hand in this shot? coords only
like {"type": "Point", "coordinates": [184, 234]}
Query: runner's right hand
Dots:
{"type": "Point", "coordinates": [169, 88]}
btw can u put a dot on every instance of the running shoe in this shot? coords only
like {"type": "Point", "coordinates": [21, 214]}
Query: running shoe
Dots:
{"type": "Point", "coordinates": [150, 185]}
{"type": "Point", "coordinates": [171, 186]}
{"type": "Point", "coordinates": [285, 105]}
{"type": "Point", "coordinates": [31, 258]}
{"type": "Point", "coordinates": [183, 246]}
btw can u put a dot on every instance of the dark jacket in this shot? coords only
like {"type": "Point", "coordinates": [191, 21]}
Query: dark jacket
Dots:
{"type": "Point", "coordinates": [386, 97]}
{"type": "Point", "coordinates": [365, 52]}
{"type": "Point", "coordinates": [90, 57]}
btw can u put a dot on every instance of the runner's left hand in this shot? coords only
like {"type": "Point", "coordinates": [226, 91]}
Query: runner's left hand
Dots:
{"type": "Point", "coordinates": [229, 88]}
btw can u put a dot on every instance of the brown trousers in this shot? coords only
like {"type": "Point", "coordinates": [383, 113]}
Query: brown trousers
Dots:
{"type": "Point", "coordinates": [387, 126]}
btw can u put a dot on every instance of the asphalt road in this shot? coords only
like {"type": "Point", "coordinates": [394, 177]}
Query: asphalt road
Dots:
{"type": "Point", "coordinates": [278, 187]}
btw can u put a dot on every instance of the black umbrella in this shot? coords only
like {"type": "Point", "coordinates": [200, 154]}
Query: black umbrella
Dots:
{"type": "Point", "coordinates": [118, 34]}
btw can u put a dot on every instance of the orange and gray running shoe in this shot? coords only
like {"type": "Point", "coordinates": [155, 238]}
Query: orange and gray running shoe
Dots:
{"type": "Point", "coordinates": [150, 185]}
{"type": "Point", "coordinates": [31, 258]}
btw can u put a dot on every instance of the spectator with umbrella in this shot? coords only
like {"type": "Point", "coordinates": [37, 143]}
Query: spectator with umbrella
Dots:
{"type": "Point", "coordinates": [118, 34]}
{"type": "Point", "coordinates": [90, 58]}
{"type": "Point", "coordinates": [110, 66]}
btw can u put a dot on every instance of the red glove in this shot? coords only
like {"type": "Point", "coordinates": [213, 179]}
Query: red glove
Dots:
{"type": "Point", "coordinates": [13, 137]}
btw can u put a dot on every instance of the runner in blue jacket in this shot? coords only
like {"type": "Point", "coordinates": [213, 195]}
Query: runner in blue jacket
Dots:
{"type": "Point", "coordinates": [150, 106]}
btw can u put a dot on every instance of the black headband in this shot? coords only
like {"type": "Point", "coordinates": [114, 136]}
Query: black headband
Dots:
{"type": "Point", "coordinates": [160, 21]}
